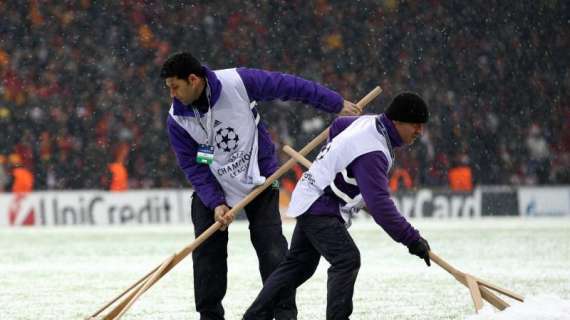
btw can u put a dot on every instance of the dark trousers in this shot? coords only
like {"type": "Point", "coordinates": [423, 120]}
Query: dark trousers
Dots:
{"type": "Point", "coordinates": [314, 236]}
{"type": "Point", "coordinates": [210, 259]}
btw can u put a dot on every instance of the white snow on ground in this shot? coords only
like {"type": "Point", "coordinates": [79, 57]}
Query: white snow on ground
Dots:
{"type": "Point", "coordinates": [544, 307]}
{"type": "Point", "coordinates": [69, 273]}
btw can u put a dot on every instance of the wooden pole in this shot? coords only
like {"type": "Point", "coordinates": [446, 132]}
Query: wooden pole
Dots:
{"type": "Point", "coordinates": [118, 311]}
{"type": "Point", "coordinates": [506, 292]}
{"type": "Point", "coordinates": [298, 157]}
{"type": "Point", "coordinates": [475, 292]}
{"type": "Point", "coordinates": [462, 278]}
{"type": "Point", "coordinates": [94, 315]}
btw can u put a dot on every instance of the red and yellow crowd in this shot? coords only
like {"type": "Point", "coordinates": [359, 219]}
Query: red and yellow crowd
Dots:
{"type": "Point", "coordinates": [82, 105]}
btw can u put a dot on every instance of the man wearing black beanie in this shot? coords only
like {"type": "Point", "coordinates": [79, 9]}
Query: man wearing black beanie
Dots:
{"type": "Point", "coordinates": [346, 177]}
{"type": "Point", "coordinates": [408, 112]}
{"type": "Point", "coordinates": [408, 107]}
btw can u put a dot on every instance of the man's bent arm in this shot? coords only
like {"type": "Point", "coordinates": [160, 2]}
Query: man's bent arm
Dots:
{"type": "Point", "coordinates": [370, 171]}
{"type": "Point", "coordinates": [264, 85]}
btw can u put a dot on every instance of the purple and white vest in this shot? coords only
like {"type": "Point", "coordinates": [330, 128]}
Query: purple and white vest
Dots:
{"type": "Point", "coordinates": [233, 134]}
{"type": "Point", "coordinates": [359, 138]}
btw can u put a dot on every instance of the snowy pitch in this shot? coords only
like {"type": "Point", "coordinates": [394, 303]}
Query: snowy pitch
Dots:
{"type": "Point", "coordinates": [69, 273]}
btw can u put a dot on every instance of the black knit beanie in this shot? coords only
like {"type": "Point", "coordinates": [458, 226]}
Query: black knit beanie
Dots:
{"type": "Point", "coordinates": [408, 107]}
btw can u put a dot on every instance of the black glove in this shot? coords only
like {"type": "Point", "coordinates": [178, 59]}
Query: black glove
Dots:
{"type": "Point", "coordinates": [421, 249]}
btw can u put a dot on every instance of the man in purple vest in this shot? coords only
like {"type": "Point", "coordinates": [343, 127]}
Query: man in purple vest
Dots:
{"type": "Point", "coordinates": [321, 229]}
{"type": "Point", "coordinates": [197, 92]}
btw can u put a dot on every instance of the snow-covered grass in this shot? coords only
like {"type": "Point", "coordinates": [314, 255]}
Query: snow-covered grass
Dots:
{"type": "Point", "coordinates": [68, 273]}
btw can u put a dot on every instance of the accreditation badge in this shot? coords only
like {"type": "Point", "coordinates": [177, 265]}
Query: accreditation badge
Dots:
{"type": "Point", "coordinates": [205, 154]}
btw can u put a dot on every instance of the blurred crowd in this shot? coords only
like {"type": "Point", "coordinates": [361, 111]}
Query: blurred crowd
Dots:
{"type": "Point", "coordinates": [82, 105]}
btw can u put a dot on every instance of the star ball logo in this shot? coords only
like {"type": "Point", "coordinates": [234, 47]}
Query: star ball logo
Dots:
{"type": "Point", "coordinates": [226, 139]}
{"type": "Point", "coordinates": [323, 152]}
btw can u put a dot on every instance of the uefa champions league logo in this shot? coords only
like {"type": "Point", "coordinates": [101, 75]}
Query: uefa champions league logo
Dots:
{"type": "Point", "coordinates": [323, 151]}
{"type": "Point", "coordinates": [226, 139]}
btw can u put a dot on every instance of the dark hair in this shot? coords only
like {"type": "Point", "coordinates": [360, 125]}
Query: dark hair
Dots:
{"type": "Point", "coordinates": [181, 65]}
{"type": "Point", "coordinates": [408, 107]}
